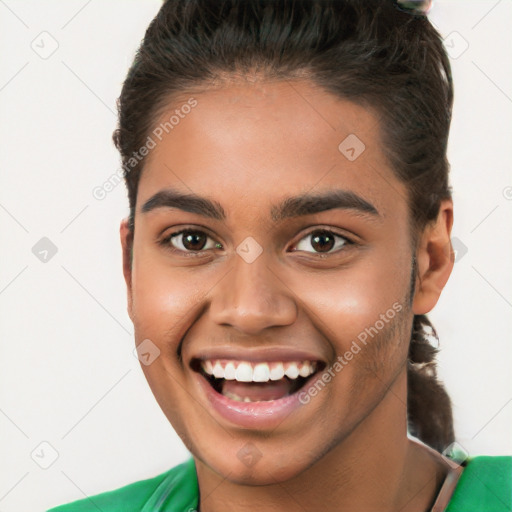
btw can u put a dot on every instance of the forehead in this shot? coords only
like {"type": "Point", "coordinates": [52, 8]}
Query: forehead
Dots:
{"type": "Point", "coordinates": [251, 142]}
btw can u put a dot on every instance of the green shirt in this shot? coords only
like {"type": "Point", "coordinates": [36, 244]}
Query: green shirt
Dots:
{"type": "Point", "coordinates": [484, 486]}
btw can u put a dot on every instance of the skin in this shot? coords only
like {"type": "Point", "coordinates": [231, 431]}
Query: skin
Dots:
{"type": "Point", "coordinates": [247, 146]}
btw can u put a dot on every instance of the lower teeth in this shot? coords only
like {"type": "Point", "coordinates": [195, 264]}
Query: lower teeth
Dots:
{"type": "Point", "coordinates": [234, 396]}
{"type": "Point", "coordinates": [238, 398]}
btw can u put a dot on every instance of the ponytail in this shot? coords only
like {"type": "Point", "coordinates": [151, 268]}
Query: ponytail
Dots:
{"type": "Point", "coordinates": [429, 408]}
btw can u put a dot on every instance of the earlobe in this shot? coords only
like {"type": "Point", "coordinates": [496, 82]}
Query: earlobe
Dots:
{"type": "Point", "coordinates": [127, 252]}
{"type": "Point", "coordinates": [434, 260]}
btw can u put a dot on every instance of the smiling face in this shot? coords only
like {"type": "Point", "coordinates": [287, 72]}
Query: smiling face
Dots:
{"type": "Point", "coordinates": [263, 279]}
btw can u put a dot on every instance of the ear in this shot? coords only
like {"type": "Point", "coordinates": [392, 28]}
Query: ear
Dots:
{"type": "Point", "coordinates": [435, 258]}
{"type": "Point", "coordinates": [127, 248]}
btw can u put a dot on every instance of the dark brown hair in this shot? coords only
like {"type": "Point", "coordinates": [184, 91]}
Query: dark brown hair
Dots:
{"type": "Point", "coordinates": [371, 52]}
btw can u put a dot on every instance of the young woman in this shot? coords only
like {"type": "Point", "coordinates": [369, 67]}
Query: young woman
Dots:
{"type": "Point", "coordinates": [289, 230]}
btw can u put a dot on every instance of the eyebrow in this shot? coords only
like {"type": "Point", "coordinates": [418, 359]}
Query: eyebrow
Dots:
{"type": "Point", "coordinates": [304, 204]}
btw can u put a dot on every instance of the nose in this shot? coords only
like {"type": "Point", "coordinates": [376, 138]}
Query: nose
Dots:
{"type": "Point", "coordinates": [252, 297]}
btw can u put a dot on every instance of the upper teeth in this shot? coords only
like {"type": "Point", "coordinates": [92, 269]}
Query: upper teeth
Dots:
{"type": "Point", "coordinates": [245, 371]}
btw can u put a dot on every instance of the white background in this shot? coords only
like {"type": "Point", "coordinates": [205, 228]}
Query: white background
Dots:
{"type": "Point", "coordinates": [68, 376]}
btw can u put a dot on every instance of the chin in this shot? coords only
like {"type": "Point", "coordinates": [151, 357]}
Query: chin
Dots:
{"type": "Point", "coordinates": [256, 468]}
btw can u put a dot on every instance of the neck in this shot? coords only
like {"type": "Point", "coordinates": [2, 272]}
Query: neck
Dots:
{"type": "Point", "coordinates": [375, 468]}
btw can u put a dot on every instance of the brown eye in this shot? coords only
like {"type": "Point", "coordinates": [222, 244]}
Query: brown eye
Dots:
{"type": "Point", "coordinates": [322, 241]}
{"type": "Point", "coordinates": [193, 240]}
{"type": "Point", "coordinates": [189, 242]}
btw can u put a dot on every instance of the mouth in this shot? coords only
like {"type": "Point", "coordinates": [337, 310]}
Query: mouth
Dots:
{"type": "Point", "coordinates": [262, 381]}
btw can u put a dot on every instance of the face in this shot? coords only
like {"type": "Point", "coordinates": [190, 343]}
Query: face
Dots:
{"type": "Point", "coordinates": [264, 279]}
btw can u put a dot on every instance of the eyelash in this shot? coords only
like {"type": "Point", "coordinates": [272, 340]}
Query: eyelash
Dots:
{"type": "Point", "coordinates": [166, 242]}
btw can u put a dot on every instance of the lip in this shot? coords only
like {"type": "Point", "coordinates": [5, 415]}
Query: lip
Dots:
{"type": "Point", "coordinates": [261, 415]}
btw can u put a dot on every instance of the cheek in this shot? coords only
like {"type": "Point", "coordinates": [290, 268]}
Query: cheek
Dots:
{"type": "Point", "coordinates": [163, 297]}
{"type": "Point", "coordinates": [363, 315]}
{"type": "Point", "coordinates": [348, 301]}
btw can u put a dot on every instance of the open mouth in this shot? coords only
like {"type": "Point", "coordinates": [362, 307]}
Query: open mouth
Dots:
{"type": "Point", "coordinates": [247, 381]}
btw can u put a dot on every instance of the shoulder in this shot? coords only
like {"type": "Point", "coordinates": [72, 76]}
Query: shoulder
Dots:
{"type": "Point", "coordinates": [177, 484]}
{"type": "Point", "coordinates": [485, 485]}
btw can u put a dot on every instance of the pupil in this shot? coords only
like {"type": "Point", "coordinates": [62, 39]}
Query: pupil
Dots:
{"type": "Point", "coordinates": [324, 247]}
{"type": "Point", "coordinates": [192, 238]}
